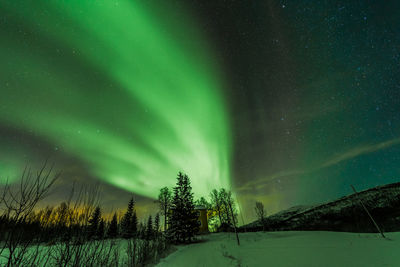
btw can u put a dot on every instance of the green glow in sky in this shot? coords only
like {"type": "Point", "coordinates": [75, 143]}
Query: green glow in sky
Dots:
{"type": "Point", "coordinates": [132, 94]}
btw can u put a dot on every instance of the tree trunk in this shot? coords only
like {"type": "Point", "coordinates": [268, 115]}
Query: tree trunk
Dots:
{"type": "Point", "coordinates": [234, 223]}
{"type": "Point", "coordinates": [370, 216]}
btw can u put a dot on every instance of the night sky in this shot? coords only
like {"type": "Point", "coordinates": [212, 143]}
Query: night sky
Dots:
{"type": "Point", "coordinates": [285, 102]}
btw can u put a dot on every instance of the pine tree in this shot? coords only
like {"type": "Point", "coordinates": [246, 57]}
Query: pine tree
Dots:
{"type": "Point", "coordinates": [157, 224]}
{"type": "Point", "coordinates": [94, 222]}
{"type": "Point", "coordinates": [149, 228]}
{"type": "Point", "coordinates": [100, 230]}
{"type": "Point", "coordinates": [141, 233]}
{"type": "Point", "coordinates": [134, 224]}
{"type": "Point", "coordinates": [127, 219]}
{"type": "Point", "coordinates": [183, 219]}
{"type": "Point", "coordinates": [113, 228]}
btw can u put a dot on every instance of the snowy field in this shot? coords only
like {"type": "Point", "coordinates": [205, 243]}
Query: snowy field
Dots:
{"type": "Point", "coordinates": [103, 253]}
{"type": "Point", "coordinates": [292, 248]}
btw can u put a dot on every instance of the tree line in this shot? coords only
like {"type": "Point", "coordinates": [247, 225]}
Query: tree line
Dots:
{"type": "Point", "coordinates": [74, 233]}
{"type": "Point", "coordinates": [82, 236]}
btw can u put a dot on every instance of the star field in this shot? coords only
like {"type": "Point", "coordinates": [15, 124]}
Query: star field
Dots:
{"type": "Point", "coordinates": [287, 102]}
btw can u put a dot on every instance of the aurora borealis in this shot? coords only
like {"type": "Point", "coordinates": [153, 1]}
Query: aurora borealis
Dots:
{"type": "Point", "coordinates": [116, 91]}
{"type": "Point", "coordinates": [287, 102]}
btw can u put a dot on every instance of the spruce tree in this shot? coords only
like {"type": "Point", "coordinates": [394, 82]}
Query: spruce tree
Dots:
{"type": "Point", "coordinates": [142, 231]}
{"type": "Point", "coordinates": [100, 230]}
{"type": "Point", "coordinates": [149, 228]}
{"type": "Point", "coordinates": [157, 224]}
{"type": "Point", "coordinates": [113, 228]}
{"type": "Point", "coordinates": [183, 218]}
{"type": "Point", "coordinates": [94, 222]}
{"type": "Point", "coordinates": [134, 224]}
{"type": "Point", "coordinates": [127, 219]}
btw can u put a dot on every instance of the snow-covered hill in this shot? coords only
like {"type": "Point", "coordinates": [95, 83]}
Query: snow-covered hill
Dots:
{"type": "Point", "coordinates": [344, 214]}
{"type": "Point", "coordinates": [291, 248]}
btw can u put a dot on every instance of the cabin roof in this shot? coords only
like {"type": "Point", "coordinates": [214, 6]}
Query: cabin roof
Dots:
{"type": "Point", "coordinates": [196, 208]}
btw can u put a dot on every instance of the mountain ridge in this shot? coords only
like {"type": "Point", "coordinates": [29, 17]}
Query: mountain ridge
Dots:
{"type": "Point", "coordinates": [343, 214]}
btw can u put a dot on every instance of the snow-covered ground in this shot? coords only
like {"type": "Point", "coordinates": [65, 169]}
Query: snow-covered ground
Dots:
{"type": "Point", "coordinates": [116, 252]}
{"type": "Point", "coordinates": [291, 248]}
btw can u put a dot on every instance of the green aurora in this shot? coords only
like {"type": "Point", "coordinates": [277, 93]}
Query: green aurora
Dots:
{"type": "Point", "coordinates": [133, 95]}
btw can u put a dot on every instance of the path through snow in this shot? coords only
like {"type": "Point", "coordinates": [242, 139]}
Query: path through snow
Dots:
{"type": "Point", "coordinates": [292, 248]}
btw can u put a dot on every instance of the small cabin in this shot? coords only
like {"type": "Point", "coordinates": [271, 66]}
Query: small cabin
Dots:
{"type": "Point", "coordinates": [203, 220]}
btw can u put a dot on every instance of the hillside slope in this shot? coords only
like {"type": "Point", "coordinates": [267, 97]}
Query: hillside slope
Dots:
{"type": "Point", "coordinates": [343, 214]}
